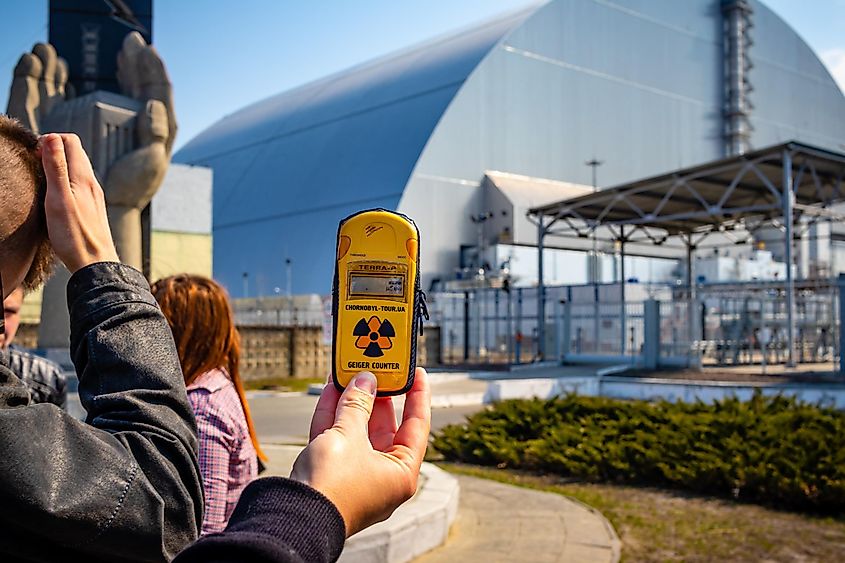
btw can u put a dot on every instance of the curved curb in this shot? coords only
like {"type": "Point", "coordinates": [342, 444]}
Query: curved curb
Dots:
{"type": "Point", "coordinates": [419, 525]}
{"type": "Point", "coordinates": [615, 542]}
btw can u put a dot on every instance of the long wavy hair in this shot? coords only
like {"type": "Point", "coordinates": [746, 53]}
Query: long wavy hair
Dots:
{"type": "Point", "coordinates": [200, 316]}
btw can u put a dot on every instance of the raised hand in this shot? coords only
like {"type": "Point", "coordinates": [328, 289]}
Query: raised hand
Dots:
{"type": "Point", "coordinates": [358, 456]}
{"type": "Point", "coordinates": [39, 83]}
{"type": "Point", "coordinates": [142, 75]}
{"type": "Point", "coordinates": [74, 204]}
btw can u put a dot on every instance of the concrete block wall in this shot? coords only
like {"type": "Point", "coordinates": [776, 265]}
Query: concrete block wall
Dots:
{"type": "Point", "coordinates": [311, 356]}
{"type": "Point", "coordinates": [266, 351]}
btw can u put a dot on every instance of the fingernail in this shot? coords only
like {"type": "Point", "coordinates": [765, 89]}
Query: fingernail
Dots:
{"type": "Point", "coordinates": [365, 381]}
{"type": "Point", "coordinates": [52, 142]}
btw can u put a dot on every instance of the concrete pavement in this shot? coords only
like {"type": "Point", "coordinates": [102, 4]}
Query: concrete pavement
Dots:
{"type": "Point", "coordinates": [284, 418]}
{"type": "Point", "coordinates": [280, 459]}
{"type": "Point", "coordinates": [498, 522]}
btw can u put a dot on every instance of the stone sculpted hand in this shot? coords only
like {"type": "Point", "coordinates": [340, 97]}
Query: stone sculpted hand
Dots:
{"type": "Point", "coordinates": [358, 457]}
{"type": "Point", "coordinates": [132, 180]}
{"type": "Point", "coordinates": [74, 204]}
{"type": "Point", "coordinates": [40, 85]}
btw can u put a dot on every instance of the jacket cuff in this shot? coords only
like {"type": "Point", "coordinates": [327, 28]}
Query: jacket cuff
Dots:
{"type": "Point", "coordinates": [274, 518]}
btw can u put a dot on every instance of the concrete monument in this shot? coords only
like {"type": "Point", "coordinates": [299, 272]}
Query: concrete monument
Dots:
{"type": "Point", "coordinates": [129, 138]}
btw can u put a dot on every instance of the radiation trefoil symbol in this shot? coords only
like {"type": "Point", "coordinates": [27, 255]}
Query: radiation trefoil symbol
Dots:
{"type": "Point", "coordinates": [374, 336]}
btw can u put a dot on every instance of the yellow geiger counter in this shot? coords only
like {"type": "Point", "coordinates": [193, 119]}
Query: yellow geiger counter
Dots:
{"type": "Point", "coordinates": [377, 304]}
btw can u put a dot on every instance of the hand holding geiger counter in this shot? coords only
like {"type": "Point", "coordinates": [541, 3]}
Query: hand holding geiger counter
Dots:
{"type": "Point", "coordinates": [377, 303]}
{"type": "Point", "coordinates": [359, 465]}
{"type": "Point", "coordinates": [358, 456]}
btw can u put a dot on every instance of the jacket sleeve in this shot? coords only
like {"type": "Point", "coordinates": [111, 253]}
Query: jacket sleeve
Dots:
{"type": "Point", "coordinates": [125, 486]}
{"type": "Point", "coordinates": [275, 520]}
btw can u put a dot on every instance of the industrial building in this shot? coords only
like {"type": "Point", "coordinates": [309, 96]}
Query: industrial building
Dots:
{"type": "Point", "coordinates": [466, 132]}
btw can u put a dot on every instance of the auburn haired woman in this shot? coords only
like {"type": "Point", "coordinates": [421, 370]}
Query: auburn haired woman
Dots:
{"type": "Point", "coordinates": [200, 316]}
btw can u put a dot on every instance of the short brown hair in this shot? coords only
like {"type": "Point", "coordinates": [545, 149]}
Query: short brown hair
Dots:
{"type": "Point", "coordinates": [23, 225]}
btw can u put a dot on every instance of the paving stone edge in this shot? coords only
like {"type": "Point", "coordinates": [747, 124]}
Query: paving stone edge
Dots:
{"type": "Point", "coordinates": [615, 542]}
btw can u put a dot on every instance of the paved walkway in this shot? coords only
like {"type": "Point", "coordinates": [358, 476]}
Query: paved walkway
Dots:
{"type": "Point", "coordinates": [498, 522]}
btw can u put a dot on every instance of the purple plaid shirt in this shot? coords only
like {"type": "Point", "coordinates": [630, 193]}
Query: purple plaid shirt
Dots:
{"type": "Point", "coordinates": [226, 455]}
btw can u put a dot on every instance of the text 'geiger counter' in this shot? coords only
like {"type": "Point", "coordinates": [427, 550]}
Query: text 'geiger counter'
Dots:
{"type": "Point", "coordinates": [376, 300]}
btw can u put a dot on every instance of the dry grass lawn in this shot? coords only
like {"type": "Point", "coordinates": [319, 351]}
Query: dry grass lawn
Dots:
{"type": "Point", "coordinates": [664, 525]}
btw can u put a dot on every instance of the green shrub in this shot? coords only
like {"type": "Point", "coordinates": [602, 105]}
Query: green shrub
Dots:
{"type": "Point", "coordinates": [770, 450]}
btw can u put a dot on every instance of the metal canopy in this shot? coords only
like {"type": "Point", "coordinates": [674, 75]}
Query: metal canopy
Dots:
{"type": "Point", "coordinates": [742, 190]}
{"type": "Point", "coordinates": [770, 186]}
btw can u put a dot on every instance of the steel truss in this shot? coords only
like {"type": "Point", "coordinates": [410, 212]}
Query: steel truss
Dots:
{"type": "Point", "coordinates": [734, 197]}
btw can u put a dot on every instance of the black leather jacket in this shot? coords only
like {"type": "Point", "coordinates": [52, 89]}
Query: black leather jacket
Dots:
{"type": "Point", "coordinates": [126, 485]}
{"type": "Point", "coordinates": [46, 382]}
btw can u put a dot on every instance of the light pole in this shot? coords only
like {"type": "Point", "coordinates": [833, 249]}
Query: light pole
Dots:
{"type": "Point", "coordinates": [594, 261]}
{"type": "Point", "coordinates": [594, 164]}
{"type": "Point", "coordinates": [246, 284]}
{"type": "Point", "coordinates": [289, 274]}
{"type": "Point", "coordinates": [277, 290]}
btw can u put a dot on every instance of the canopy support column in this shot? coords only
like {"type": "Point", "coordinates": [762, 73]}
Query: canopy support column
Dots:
{"type": "Point", "coordinates": [541, 292]}
{"type": "Point", "coordinates": [622, 310]}
{"type": "Point", "coordinates": [789, 219]}
{"type": "Point", "coordinates": [690, 291]}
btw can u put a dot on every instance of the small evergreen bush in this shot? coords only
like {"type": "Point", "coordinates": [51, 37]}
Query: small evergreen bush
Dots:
{"type": "Point", "coordinates": [770, 450]}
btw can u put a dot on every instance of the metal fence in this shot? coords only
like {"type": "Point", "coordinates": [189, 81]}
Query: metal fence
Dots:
{"type": "Point", "coordinates": [678, 335]}
{"type": "Point", "coordinates": [740, 324]}
{"type": "Point", "coordinates": [750, 327]}
{"type": "Point", "coordinates": [492, 325]}
{"type": "Point", "coordinates": [601, 329]}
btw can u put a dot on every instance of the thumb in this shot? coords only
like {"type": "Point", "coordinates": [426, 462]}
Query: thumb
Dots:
{"type": "Point", "coordinates": [356, 404]}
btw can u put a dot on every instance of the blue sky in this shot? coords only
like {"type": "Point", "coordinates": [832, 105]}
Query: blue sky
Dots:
{"type": "Point", "coordinates": [223, 55]}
